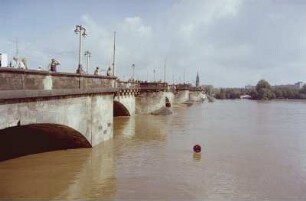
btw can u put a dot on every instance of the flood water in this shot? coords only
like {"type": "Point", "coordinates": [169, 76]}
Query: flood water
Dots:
{"type": "Point", "coordinates": [250, 151]}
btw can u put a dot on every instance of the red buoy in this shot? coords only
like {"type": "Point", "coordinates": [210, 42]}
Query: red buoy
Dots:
{"type": "Point", "coordinates": [197, 148]}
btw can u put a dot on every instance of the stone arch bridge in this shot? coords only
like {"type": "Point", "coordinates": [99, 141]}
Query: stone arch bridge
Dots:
{"type": "Point", "coordinates": [66, 110]}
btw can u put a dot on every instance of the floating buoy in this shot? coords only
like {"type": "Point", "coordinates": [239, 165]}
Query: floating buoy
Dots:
{"type": "Point", "coordinates": [197, 148]}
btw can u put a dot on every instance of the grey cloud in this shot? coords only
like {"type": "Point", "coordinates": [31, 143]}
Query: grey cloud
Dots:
{"type": "Point", "coordinates": [230, 42]}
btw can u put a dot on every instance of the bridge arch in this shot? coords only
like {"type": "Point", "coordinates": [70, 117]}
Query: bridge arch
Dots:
{"type": "Point", "coordinates": [37, 138]}
{"type": "Point", "coordinates": [120, 109]}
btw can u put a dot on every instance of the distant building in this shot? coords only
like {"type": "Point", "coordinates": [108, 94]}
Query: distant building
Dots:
{"type": "Point", "coordinates": [3, 60]}
{"type": "Point", "coordinates": [299, 85]}
{"type": "Point", "coordinates": [197, 80]}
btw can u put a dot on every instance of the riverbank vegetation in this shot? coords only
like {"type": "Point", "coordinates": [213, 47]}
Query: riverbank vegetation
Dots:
{"type": "Point", "coordinates": [229, 93]}
{"type": "Point", "coordinates": [262, 91]}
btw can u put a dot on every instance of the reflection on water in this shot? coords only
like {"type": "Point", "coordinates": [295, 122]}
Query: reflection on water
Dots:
{"type": "Point", "coordinates": [250, 151]}
{"type": "Point", "coordinates": [197, 156]}
{"type": "Point", "coordinates": [70, 174]}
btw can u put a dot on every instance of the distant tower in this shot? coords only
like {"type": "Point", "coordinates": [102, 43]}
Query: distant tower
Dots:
{"type": "Point", "coordinates": [197, 80]}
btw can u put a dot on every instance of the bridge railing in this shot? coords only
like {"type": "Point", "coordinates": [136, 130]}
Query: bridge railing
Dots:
{"type": "Point", "coordinates": [127, 85]}
{"type": "Point", "coordinates": [153, 86]}
{"type": "Point", "coordinates": [183, 86]}
{"type": "Point", "coordinates": [20, 79]}
{"type": "Point", "coordinates": [196, 89]}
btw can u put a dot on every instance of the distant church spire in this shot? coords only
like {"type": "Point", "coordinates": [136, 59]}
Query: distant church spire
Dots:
{"type": "Point", "coordinates": [197, 80]}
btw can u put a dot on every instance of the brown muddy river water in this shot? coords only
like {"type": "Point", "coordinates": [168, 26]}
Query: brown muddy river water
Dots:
{"type": "Point", "coordinates": [250, 151]}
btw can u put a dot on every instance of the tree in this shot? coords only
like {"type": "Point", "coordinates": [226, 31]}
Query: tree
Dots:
{"type": "Point", "coordinates": [279, 93]}
{"type": "Point", "coordinates": [221, 94]}
{"type": "Point", "coordinates": [262, 84]}
{"type": "Point", "coordinates": [265, 94]}
{"type": "Point", "coordinates": [303, 90]}
{"type": "Point", "coordinates": [229, 93]}
{"type": "Point", "coordinates": [253, 93]}
{"type": "Point", "coordinates": [264, 91]}
{"type": "Point", "coordinates": [209, 90]}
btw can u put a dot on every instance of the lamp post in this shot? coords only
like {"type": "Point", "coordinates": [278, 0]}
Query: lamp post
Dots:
{"type": "Point", "coordinates": [154, 74]}
{"type": "Point", "coordinates": [79, 29]}
{"type": "Point", "coordinates": [114, 53]}
{"type": "Point", "coordinates": [133, 71]}
{"type": "Point", "coordinates": [88, 55]}
{"type": "Point", "coordinates": [165, 70]}
{"type": "Point", "coordinates": [184, 76]}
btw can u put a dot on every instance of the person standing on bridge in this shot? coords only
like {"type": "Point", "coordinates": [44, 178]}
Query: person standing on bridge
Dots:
{"type": "Point", "coordinates": [96, 71]}
{"type": "Point", "coordinates": [109, 71]}
{"type": "Point", "coordinates": [53, 65]}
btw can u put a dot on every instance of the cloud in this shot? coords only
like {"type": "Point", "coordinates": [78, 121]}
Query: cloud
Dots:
{"type": "Point", "coordinates": [230, 42]}
{"type": "Point", "coordinates": [135, 26]}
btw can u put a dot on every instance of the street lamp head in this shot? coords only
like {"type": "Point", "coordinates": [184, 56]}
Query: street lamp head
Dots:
{"type": "Point", "coordinates": [80, 29]}
{"type": "Point", "coordinates": [87, 53]}
{"type": "Point", "coordinates": [77, 29]}
{"type": "Point", "coordinates": [84, 31]}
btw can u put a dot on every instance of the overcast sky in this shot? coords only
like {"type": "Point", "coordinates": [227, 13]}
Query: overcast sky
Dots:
{"type": "Point", "coordinates": [231, 43]}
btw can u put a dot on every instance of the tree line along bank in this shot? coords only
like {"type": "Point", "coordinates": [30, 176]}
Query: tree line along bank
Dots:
{"type": "Point", "coordinates": [262, 91]}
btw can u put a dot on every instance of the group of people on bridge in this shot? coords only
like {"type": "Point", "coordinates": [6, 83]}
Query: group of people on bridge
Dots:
{"type": "Point", "coordinates": [54, 63]}
{"type": "Point", "coordinates": [22, 64]}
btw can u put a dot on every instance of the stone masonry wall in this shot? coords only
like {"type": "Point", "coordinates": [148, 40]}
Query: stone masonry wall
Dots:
{"type": "Point", "coordinates": [18, 79]}
{"type": "Point", "coordinates": [152, 101]}
{"type": "Point", "coordinates": [90, 115]}
{"type": "Point", "coordinates": [127, 101]}
{"type": "Point", "coordinates": [181, 96]}
{"type": "Point", "coordinates": [196, 96]}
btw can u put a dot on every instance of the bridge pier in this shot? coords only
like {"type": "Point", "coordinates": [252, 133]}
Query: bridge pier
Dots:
{"type": "Point", "coordinates": [181, 96]}
{"type": "Point", "coordinates": [124, 103]}
{"type": "Point", "coordinates": [148, 102]}
{"type": "Point", "coordinates": [197, 96]}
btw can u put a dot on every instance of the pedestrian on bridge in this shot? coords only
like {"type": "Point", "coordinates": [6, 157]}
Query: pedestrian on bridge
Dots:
{"type": "Point", "coordinates": [109, 71]}
{"type": "Point", "coordinates": [53, 65]}
{"type": "Point", "coordinates": [97, 71]}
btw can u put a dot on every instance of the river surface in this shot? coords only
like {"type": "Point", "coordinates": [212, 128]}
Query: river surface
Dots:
{"type": "Point", "coordinates": [250, 151]}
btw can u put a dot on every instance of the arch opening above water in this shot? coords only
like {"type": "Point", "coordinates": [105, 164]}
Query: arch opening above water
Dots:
{"type": "Point", "coordinates": [120, 109]}
{"type": "Point", "coordinates": [37, 138]}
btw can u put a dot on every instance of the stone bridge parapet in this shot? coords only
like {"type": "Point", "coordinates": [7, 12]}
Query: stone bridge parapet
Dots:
{"type": "Point", "coordinates": [19, 79]}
